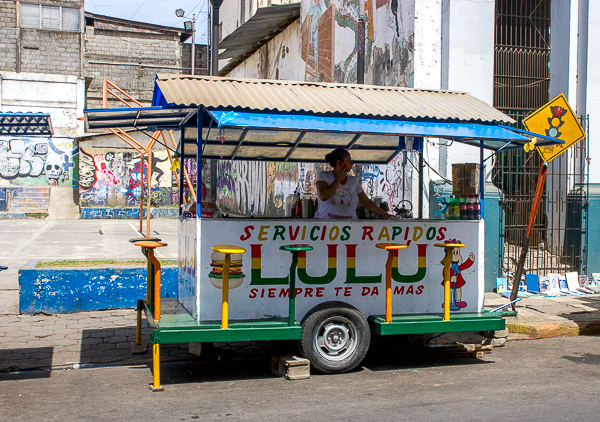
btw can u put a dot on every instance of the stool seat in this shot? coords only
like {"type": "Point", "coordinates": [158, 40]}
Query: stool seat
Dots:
{"type": "Point", "coordinates": [449, 245]}
{"type": "Point", "coordinates": [228, 249]}
{"type": "Point", "coordinates": [150, 244]}
{"type": "Point", "coordinates": [296, 248]}
{"type": "Point", "coordinates": [391, 246]}
{"type": "Point", "coordinates": [139, 239]}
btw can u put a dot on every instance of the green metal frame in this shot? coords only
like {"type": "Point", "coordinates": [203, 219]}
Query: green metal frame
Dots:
{"type": "Point", "coordinates": [427, 323]}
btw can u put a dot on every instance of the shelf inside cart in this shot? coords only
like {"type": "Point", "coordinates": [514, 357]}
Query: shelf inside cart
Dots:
{"type": "Point", "coordinates": [423, 324]}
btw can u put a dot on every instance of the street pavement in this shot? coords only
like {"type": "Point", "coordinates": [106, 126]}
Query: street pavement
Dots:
{"type": "Point", "coordinates": [104, 337]}
{"type": "Point", "coordinates": [544, 380]}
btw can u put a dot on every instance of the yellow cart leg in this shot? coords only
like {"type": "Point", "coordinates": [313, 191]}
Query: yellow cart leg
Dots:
{"type": "Point", "coordinates": [225, 300]}
{"type": "Point", "coordinates": [155, 386]}
{"type": "Point", "coordinates": [447, 284]}
{"type": "Point", "coordinates": [388, 286]}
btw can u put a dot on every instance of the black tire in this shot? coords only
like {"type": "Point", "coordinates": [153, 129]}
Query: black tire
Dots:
{"type": "Point", "coordinates": [335, 340]}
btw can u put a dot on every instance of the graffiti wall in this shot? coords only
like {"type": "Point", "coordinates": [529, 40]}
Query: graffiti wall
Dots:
{"type": "Point", "coordinates": [329, 45]}
{"type": "Point", "coordinates": [38, 161]}
{"type": "Point", "coordinates": [112, 177]}
{"type": "Point", "coordinates": [260, 188]}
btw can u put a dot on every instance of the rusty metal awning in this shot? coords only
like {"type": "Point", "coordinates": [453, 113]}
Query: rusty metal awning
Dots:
{"type": "Point", "coordinates": [248, 38]}
{"type": "Point", "coordinates": [298, 122]}
{"type": "Point", "coordinates": [326, 99]}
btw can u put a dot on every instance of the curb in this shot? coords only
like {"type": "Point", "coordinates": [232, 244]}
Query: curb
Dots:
{"type": "Point", "coordinates": [568, 328]}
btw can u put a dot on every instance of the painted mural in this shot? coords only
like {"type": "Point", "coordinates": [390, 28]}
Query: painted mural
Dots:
{"type": "Point", "coordinates": [38, 161]}
{"type": "Point", "coordinates": [261, 188]}
{"type": "Point", "coordinates": [110, 177]}
{"type": "Point", "coordinates": [329, 45]}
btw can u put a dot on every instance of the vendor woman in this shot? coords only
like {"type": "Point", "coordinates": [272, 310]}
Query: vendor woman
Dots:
{"type": "Point", "coordinates": [339, 193]}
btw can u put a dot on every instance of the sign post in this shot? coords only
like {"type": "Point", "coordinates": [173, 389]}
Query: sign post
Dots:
{"type": "Point", "coordinates": [556, 120]}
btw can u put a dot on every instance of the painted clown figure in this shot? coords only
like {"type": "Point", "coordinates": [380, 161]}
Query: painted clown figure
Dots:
{"type": "Point", "coordinates": [456, 279]}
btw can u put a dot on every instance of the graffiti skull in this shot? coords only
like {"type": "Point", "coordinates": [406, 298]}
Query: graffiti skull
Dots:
{"type": "Point", "coordinates": [53, 167]}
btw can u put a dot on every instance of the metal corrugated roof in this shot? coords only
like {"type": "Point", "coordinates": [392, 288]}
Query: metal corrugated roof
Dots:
{"type": "Point", "coordinates": [27, 123]}
{"type": "Point", "coordinates": [323, 98]}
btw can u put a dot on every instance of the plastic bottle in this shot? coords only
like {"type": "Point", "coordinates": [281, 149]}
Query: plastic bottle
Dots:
{"type": "Point", "coordinates": [288, 205]}
{"type": "Point", "coordinates": [477, 209]}
{"type": "Point", "coordinates": [305, 202]}
{"type": "Point", "coordinates": [471, 208]}
{"type": "Point", "coordinates": [453, 209]}
{"type": "Point", "coordinates": [311, 208]}
{"type": "Point", "coordinates": [464, 212]}
{"type": "Point", "coordinates": [298, 213]}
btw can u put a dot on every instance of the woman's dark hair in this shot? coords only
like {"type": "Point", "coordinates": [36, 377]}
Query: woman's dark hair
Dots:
{"type": "Point", "coordinates": [336, 155]}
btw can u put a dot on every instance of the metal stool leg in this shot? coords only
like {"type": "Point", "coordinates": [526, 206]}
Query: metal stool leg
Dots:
{"type": "Point", "coordinates": [225, 301]}
{"type": "Point", "coordinates": [155, 386]}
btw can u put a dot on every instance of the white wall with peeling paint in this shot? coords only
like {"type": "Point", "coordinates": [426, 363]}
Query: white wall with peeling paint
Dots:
{"type": "Point", "coordinates": [62, 96]}
{"type": "Point", "coordinates": [272, 62]}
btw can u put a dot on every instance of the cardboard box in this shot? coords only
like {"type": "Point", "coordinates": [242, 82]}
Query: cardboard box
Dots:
{"type": "Point", "coordinates": [470, 184]}
{"type": "Point", "coordinates": [457, 179]}
{"type": "Point", "coordinates": [465, 179]}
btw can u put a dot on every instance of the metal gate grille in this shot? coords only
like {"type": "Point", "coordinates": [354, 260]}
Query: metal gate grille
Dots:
{"type": "Point", "coordinates": [521, 85]}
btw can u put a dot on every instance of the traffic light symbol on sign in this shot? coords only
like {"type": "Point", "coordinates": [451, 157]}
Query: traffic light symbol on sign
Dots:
{"type": "Point", "coordinates": [555, 121]}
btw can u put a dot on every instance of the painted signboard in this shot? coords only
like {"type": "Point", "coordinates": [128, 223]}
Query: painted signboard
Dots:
{"type": "Point", "coordinates": [344, 265]}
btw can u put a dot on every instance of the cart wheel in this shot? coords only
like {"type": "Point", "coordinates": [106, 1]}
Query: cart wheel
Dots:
{"type": "Point", "coordinates": [335, 340]}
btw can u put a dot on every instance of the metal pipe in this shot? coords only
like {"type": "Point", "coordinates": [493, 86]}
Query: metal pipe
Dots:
{"type": "Point", "coordinates": [149, 196]}
{"type": "Point", "coordinates": [214, 56]}
{"type": "Point", "coordinates": [148, 66]}
{"type": "Point", "coordinates": [193, 43]}
{"type": "Point", "coordinates": [141, 193]}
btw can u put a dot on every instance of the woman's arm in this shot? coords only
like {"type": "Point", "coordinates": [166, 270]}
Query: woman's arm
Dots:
{"type": "Point", "coordinates": [326, 190]}
{"type": "Point", "coordinates": [371, 206]}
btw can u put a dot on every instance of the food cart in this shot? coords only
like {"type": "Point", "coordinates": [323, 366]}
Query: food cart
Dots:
{"type": "Point", "coordinates": [331, 284]}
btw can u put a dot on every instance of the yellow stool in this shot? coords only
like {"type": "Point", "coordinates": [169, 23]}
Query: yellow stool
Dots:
{"type": "Point", "coordinates": [390, 247]}
{"type": "Point", "coordinates": [227, 250]}
{"type": "Point", "coordinates": [447, 261]}
{"type": "Point", "coordinates": [153, 293]}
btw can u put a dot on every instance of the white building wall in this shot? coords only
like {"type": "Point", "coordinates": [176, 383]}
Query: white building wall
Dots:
{"type": "Point", "coordinates": [61, 96]}
{"type": "Point", "coordinates": [589, 104]}
{"type": "Point", "coordinates": [467, 62]}
{"type": "Point", "coordinates": [281, 55]}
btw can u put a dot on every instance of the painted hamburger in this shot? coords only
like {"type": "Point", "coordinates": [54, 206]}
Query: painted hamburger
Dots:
{"type": "Point", "coordinates": [236, 276]}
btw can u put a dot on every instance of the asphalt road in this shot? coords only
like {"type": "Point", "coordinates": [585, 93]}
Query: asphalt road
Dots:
{"type": "Point", "coordinates": [551, 380]}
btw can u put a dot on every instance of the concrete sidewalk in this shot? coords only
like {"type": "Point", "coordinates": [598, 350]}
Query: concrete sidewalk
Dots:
{"type": "Point", "coordinates": [27, 240]}
{"type": "Point", "coordinates": [105, 337]}
{"type": "Point", "coordinates": [551, 316]}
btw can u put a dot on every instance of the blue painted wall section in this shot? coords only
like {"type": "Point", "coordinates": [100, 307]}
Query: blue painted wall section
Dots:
{"type": "Point", "coordinates": [126, 213]}
{"type": "Point", "coordinates": [593, 264]}
{"type": "Point", "coordinates": [492, 236]}
{"type": "Point", "coordinates": [63, 290]}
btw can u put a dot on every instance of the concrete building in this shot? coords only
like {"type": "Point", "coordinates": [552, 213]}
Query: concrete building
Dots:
{"type": "Point", "coordinates": [54, 59]}
{"type": "Point", "coordinates": [42, 70]}
{"type": "Point", "coordinates": [515, 55]}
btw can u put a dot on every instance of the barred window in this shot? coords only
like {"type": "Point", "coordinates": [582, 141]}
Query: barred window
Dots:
{"type": "Point", "coordinates": [42, 16]}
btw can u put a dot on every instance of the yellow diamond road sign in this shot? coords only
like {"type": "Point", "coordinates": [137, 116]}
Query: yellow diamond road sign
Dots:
{"type": "Point", "coordinates": [556, 120]}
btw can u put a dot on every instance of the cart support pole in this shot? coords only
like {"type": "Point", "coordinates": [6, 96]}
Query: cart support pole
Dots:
{"type": "Point", "coordinates": [388, 286]}
{"type": "Point", "coordinates": [536, 203]}
{"type": "Point", "coordinates": [138, 328]}
{"type": "Point", "coordinates": [292, 306]}
{"type": "Point", "coordinates": [156, 293]}
{"type": "Point", "coordinates": [155, 386]}
{"type": "Point", "coordinates": [141, 193]}
{"type": "Point", "coordinates": [149, 196]}
{"type": "Point", "coordinates": [225, 304]}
